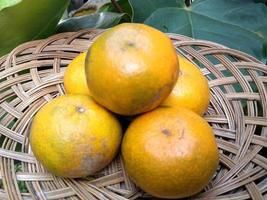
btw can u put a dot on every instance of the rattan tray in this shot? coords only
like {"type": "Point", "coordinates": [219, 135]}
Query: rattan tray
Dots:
{"type": "Point", "coordinates": [32, 74]}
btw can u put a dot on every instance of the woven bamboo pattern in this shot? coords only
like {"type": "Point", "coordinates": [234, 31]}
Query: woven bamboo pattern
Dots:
{"type": "Point", "coordinates": [32, 74]}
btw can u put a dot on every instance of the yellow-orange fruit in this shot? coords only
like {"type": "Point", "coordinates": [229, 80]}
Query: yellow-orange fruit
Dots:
{"type": "Point", "coordinates": [170, 153]}
{"type": "Point", "coordinates": [72, 136]}
{"type": "Point", "coordinates": [191, 89]}
{"type": "Point", "coordinates": [131, 68]}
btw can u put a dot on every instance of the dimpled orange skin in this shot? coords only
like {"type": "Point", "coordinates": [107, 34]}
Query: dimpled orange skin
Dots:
{"type": "Point", "coordinates": [191, 89]}
{"type": "Point", "coordinates": [170, 153]}
{"type": "Point", "coordinates": [131, 68]}
{"type": "Point", "coordinates": [74, 137]}
{"type": "Point", "coordinates": [74, 76]}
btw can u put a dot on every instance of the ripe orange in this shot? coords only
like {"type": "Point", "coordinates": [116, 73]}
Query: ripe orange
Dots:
{"type": "Point", "coordinates": [74, 137]}
{"type": "Point", "coordinates": [170, 153]}
{"type": "Point", "coordinates": [74, 77]}
{"type": "Point", "coordinates": [191, 90]}
{"type": "Point", "coordinates": [131, 68]}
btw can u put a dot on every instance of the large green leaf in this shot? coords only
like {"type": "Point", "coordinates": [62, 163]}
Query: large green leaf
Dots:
{"type": "Point", "coordinates": [96, 20]}
{"type": "Point", "coordinates": [26, 20]}
{"type": "Point", "coordinates": [142, 9]}
{"type": "Point", "coordinates": [239, 25]}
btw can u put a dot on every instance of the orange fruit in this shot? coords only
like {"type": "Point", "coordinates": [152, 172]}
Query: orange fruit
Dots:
{"type": "Point", "coordinates": [74, 137]}
{"type": "Point", "coordinates": [131, 68]}
{"type": "Point", "coordinates": [191, 89]}
{"type": "Point", "coordinates": [74, 77]}
{"type": "Point", "coordinates": [170, 153]}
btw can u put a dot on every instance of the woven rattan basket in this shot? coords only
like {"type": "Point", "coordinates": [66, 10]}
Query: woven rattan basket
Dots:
{"type": "Point", "coordinates": [32, 74]}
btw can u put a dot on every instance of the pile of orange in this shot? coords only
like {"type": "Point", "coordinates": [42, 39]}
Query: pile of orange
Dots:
{"type": "Point", "coordinates": [168, 149]}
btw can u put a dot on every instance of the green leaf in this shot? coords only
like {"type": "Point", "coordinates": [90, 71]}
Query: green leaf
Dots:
{"type": "Point", "coordinates": [84, 11]}
{"type": "Point", "coordinates": [28, 20]}
{"type": "Point", "coordinates": [75, 4]}
{"type": "Point", "coordinates": [8, 3]}
{"type": "Point", "coordinates": [143, 9]}
{"type": "Point", "coordinates": [239, 25]}
{"type": "Point", "coordinates": [124, 4]}
{"type": "Point", "coordinates": [96, 20]}
{"type": "Point", "coordinates": [260, 1]}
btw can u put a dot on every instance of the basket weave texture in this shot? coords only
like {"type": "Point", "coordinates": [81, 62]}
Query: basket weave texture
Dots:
{"type": "Point", "coordinates": [32, 74]}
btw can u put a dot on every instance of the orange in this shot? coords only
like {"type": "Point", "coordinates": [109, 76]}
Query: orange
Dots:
{"type": "Point", "coordinates": [131, 68]}
{"type": "Point", "coordinates": [191, 90]}
{"type": "Point", "coordinates": [74, 137]}
{"type": "Point", "coordinates": [74, 77]}
{"type": "Point", "coordinates": [170, 153]}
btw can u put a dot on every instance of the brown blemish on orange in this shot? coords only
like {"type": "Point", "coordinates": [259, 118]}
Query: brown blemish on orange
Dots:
{"type": "Point", "coordinates": [91, 163]}
{"type": "Point", "coordinates": [182, 134]}
{"type": "Point", "coordinates": [167, 132]}
{"type": "Point", "coordinates": [131, 44]}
